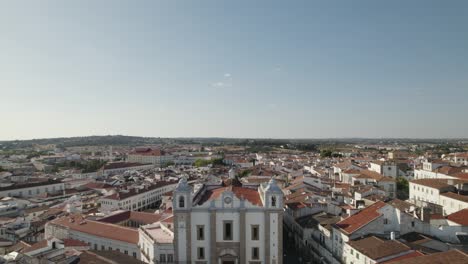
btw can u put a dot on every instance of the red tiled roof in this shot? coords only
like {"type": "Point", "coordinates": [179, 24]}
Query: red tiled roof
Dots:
{"type": "Point", "coordinates": [97, 185]}
{"type": "Point", "coordinates": [120, 165]}
{"type": "Point", "coordinates": [100, 229]}
{"type": "Point", "coordinates": [452, 256]}
{"type": "Point", "coordinates": [436, 216]}
{"type": "Point", "coordinates": [376, 248]}
{"type": "Point", "coordinates": [298, 199]}
{"type": "Point", "coordinates": [448, 170]}
{"type": "Point", "coordinates": [456, 196]}
{"type": "Point", "coordinates": [121, 195]}
{"type": "Point", "coordinates": [147, 152]}
{"type": "Point", "coordinates": [362, 218]}
{"type": "Point", "coordinates": [250, 195]}
{"type": "Point", "coordinates": [169, 219]}
{"type": "Point", "coordinates": [352, 171]}
{"type": "Point", "coordinates": [140, 217]}
{"type": "Point", "coordinates": [368, 174]}
{"type": "Point", "coordinates": [460, 217]}
{"type": "Point", "coordinates": [68, 242]}
{"type": "Point", "coordinates": [432, 183]}
{"type": "Point", "coordinates": [36, 246]}
{"type": "Point", "coordinates": [407, 256]}
{"type": "Point", "coordinates": [296, 205]}
{"type": "Point", "coordinates": [460, 175]}
{"type": "Point", "coordinates": [19, 247]}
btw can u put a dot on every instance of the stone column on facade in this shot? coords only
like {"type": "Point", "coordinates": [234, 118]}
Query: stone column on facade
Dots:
{"type": "Point", "coordinates": [243, 229]}
{"type": "Point", "coordinates": [267, 237]}
{"type": "Point", "coordinates": [188, 229]}
{"type": "Point", "coordinates": [280, 237]}
{"type": "Point", "coordinates": [176, 230]}
{"type": "Point", "coordinates": [213, 251]}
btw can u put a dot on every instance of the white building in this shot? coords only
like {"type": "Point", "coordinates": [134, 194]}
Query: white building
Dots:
{"type": "Point", "coordinates": [371, 250]}
{"type": "Point", "coordinates": [121, 167]}
{"type": "Point", "coordinates": [379, 219]}
{"type": "Point", "coordinates": [136, 198]}
{"type": "Point", "coordinates": [440, 192]}
{"type": "Point", "coordinates": [156, 157]}
{"type": "Point", "coordinates": [99, 235]}
{"type": "Point", "coordinates": [33, 189]}
{"type": "Point", "coordinates": [228, 224]}
{"type": "Point", "coordinates": [157, 241]}
{"type": "Point", "coordinates": [431, 170]}
{"type": "Point", "coordinates": [453, 202]}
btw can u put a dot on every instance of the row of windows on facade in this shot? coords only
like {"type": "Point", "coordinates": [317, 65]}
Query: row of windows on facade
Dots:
{"type": "Point", "coordinates": [152, 199]}
{"type": "Point", "coordinates": [201, 253]}
{"type": "Point", "coordinates": [163, 259]}
{"type": "Point", "coordinates": [182, 202]}
{"type": "Point", "coordinates": [228, 232]}
{"type": "Point", "coordinates": [134, 254]}
{"type": "Point", "coordinates": [38, 190]}
{"type": "Point", "coordinates": [422, 189]}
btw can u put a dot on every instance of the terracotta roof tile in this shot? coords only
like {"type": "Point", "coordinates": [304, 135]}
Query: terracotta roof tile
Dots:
{"type": "Point", "coordinates": [407, 256]}
{"type": "Point", "coordinates": [121, 195]}
{"type": "Point", "coordinates": [121, 165]}
{"type": "Point", "coordinates": [140, 217]}
{"type": "Point", "coordinates": [147, 152]}
{"type": "Point", "coordinates": [451, 256]}
{"type": "Point", "coordinates": [432, 183]}
{"type": "Point", "coordinates": [100, 229]}
{"type": "Point", "coordinates": [460, 217]}
{"type": "Point", "coordinates": [362, 218]}
{"type": "Point", "coordinates": [456, 196]}
{"type": "Point", "coordinates": [68, 242]}
{"type": "Point", "coordinates": [250, 195]}
{"type": "Point", "coordinates": [376, 248]}
{"type": "Point", "coordinates": [36, 246]}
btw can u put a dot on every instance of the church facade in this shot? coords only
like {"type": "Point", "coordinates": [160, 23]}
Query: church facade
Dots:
{"type": "Point", "coordinates": [228, 224]}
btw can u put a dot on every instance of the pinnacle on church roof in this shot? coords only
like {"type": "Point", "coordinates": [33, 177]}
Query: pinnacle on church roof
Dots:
{"type": "Point", "coordinates": [273, 187]}
{"type": "Point", "coordinates": [183, 186]}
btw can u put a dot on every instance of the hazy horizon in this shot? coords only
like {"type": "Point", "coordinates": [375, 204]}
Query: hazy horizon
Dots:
{"type": "Point", "coordinates": [240, 69]}
{"type": "Point", "coordinates": [258, 138]}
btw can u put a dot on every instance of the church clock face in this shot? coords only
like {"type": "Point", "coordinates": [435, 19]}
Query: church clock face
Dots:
{"type": "Point", "coordinates": [227, 200]}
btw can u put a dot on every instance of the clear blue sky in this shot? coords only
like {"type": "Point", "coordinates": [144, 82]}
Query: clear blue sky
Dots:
{"type": "Point", "coordinates": [281, 69]}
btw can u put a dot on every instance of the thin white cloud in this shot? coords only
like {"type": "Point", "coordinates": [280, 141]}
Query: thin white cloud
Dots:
{"type": "Point", "coordinates": [227, 75]}
{"type": "Point", "coordinates": [272, 106]}
{"type": "Point", "coordinates": [221, 84]}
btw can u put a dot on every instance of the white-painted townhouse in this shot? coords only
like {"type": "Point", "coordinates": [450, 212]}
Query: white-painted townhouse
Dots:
{"type": "Point", "coordinates": [33, 189]}
{"type": "Point", "coordinates": [379, 219]}
{"type": "Point", "coordinates": [157, 241]}
{"type": "Point", "coordinates": [372, 250]}
{"type": "Point", "coordinates": [156, 157]}
{"type": "Point", "coordinates": [121, 167]}
{"type": "Point", "coordinates": [98, 235]}
{"type": "Point", "coordinates": [137, 197]}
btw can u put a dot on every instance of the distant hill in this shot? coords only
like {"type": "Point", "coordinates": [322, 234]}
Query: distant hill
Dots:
{"type": "Point", "coordinates": [305, 144]}
{"type": "Point", "coordinates": [84, 141]}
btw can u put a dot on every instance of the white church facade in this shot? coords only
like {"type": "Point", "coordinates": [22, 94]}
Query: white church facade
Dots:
{"type": "Point", "coordinates": [228, 224]}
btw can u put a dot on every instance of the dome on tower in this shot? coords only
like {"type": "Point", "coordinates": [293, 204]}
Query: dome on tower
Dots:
{"type": "Point", "coordinates": [183, 186]}
{"type": "Point", "coordinates": [232, 173]}
{"type": "Point", "coordinates": [273, 187]}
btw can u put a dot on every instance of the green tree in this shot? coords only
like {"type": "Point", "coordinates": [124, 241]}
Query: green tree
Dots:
{"type": "Point", "coordinates": [244, 173]}
{"type": "Point", "coordinates": [402, 188]}
{"type": "Point", "coordinates": [202, 163]}
{"type": "Point", "coordinates": [326, 153]}
{"type": "Point", "coordinates": [217, 161]}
